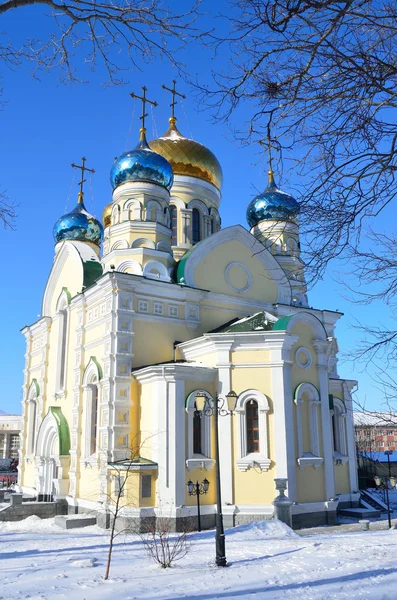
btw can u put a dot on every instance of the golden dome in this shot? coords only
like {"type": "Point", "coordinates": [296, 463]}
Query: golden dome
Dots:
{"type": "Point", "coordinates": [106, 215]}
{"type": "Point", "coordinates": [188, 157]}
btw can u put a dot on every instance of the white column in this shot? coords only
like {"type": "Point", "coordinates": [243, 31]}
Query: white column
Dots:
{"type": "Point", "coordinates": [326, 423]}
{"type": "Point", "coordinates": [6, 444]}
{"type": "Point", "coordinates": [284, 434]}
{"type": "Point", "coordinates": [176, 443]}
{"type": "Point", "coordinates": [225, 426]}
{"type": "Point", "coordinates": [351, 445]}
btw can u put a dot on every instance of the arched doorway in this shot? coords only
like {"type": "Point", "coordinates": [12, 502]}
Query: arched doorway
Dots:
{"type": "Point", "coordinates": [53, 457]}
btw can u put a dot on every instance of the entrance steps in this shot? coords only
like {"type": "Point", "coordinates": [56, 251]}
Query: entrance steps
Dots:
{"type": "Point", "coordinates": [360, 513]}
{"type": "Point", "coordinates": [371, 500]}
{"type": "Point", "coordinates": [74, 521]}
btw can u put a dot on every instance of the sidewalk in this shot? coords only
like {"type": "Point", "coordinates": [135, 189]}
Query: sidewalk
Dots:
{"type": "Point", "coordinates": [345, 527]}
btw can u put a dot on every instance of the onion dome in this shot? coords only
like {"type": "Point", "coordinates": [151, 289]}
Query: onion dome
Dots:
{"type": "Point", "coordinates": [107, 215]}
{"type": "Point", "coordinates": [142, 165]}
{"type": "Point", "coordinates": [78, 225]}
{"type": "Point", "coordinates": [188, 157]}
{"type": "Point", "coordinates": [272, 205]}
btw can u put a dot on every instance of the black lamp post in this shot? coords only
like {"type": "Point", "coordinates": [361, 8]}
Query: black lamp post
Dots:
{"type": "Point", "coordinates": [217, 407]}
{"type": "Point", "coordinates": [195, 489]}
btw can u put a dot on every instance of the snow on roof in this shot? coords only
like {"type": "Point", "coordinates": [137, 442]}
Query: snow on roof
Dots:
{"type": "Point", "coordinates": [374, 419]}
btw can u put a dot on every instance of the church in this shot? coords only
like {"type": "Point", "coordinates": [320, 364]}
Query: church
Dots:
{"type": "Point", "coordinates": [158, 305]}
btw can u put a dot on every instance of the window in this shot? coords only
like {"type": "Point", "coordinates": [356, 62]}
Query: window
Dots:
{"type": "Point", "coordinates": [196, 226]}
{"type": "Point", "coordinates": [63, 331]}
{"type": "Point", "coordinates": [199, 436]}
{"type": "Point", "coordinates": [252, 407]}
{"type": "Point", "coordinates": [196, 431]}
{"type": "Point", "coordinates": [174, 225]}
{"type": "Point", "coordinates": [339, 430]}
{"type": "Point", "coordinates": [119, 486]}
{"type": "Point", "coordinates": [252, 420]}
{"type": "Point", "coordinates": [307, 401]}
{"type": "Point", "coordinates": [32, 417]}
{"type": "Point", "coordinates": [146, 487]}
{"type": "Point", "coordinates": [389, 433]}
{"type": "Point", "coordinates": [94, 418]}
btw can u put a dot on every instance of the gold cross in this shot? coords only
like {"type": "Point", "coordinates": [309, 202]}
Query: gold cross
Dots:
{"type": "Point", "coordinates": [144, 100]}
{"type": "Point", "coordinates": [174, 93]}
{"type": "Point", "coordinates": [83, 168]}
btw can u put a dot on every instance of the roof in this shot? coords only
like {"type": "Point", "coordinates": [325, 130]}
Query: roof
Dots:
{"type": "Point", "coordinates": [260, 321]}
{"type": "Point", "coordinates": [374, 419]}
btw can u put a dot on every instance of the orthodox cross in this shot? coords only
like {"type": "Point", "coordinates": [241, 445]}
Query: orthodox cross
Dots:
{"type": "Point", "coordinates": [83, 169]}
{"type": "Point", "coordinates": [174, 93]}
{"type": "Point", "coordinates": [144, 100]}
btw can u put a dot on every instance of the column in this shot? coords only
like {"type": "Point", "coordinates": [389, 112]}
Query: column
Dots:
{"type": "Point", "coordinates": [351, 445]}
{"type": "Point", "coordinates": [326, 424]}
{"type": "Point", "coordinates": [284, 434]}
{"type": "Point", "coordinates": [225, 425]}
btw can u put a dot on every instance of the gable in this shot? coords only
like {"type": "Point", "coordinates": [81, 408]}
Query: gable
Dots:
{"type": "Point", "coordinates": [234, 263]}
{"type": "Point", "coordinates": [75, 268]}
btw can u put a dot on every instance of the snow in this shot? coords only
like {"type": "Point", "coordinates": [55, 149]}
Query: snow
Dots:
{"type": "Point", "coordinates": [40, 561]}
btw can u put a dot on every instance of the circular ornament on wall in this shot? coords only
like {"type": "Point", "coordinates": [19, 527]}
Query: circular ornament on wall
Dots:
{"type": "Point", "coordinates": [238, 277]}
{"type": "Point", "coordinates": [303, 358]}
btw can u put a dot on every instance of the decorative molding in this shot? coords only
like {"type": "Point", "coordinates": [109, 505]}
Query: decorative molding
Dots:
{"type": "Point", "coordinates": [308, 356]}
{"type": "Point", "coordinates": [246, 271]}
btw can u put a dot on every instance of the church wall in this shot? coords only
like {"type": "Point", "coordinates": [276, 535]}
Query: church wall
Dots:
{"type": "Point", "coordinates": [89, 484]}
{"type": "Point", "coordinates": [200, 474]}
{"type": "Point", "coordinates": [153, 340]}
{"type": "Point", "coordinates": [146, 420]}
{"type": "Point", "coordinates": [253, 486]}
{"type": "Point", "coordinates": [250, 356]}
{"type": "Point", "coordinates": [262, 286]}
{"type": "Point", "coordinates": [342, 482]}
{"type": "Point", "coordinates": [310, 484]}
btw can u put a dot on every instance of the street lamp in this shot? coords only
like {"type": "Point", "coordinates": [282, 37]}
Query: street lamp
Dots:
{"type": "Point", "coordinates": [216, 407]}
{"type": "Point", "coordinates": [195, 489]}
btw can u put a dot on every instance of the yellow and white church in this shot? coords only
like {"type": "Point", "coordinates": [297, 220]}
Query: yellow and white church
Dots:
{"type": "Point", "coordinates": [159, 304]}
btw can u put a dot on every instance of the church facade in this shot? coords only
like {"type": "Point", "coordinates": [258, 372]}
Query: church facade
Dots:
{"type": "Point", "coordinates": [159, 304]}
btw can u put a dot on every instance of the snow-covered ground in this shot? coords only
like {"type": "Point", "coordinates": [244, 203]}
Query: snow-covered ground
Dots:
{"type": "Point", "coordinates": [38, 560]}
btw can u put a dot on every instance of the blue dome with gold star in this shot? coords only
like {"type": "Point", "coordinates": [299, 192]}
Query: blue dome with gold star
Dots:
{"type": "Point", "coordinates": [142, 165]}
{"type": "Point", "coordinates": [272, 205]}
{"type": "Point", "coordinates": [78, 225]}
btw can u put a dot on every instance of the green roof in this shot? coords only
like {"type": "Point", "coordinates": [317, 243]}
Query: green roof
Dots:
{"type": "Point", "coordinates": [261, 321]}
{"type": "Point", "coordinates": [282, 323]}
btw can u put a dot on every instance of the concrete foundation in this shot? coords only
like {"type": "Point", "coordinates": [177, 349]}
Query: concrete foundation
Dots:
{"type": "Point", "coordinates": [44, 510]}
{"type": "Point", "coordinates": [314, 519]}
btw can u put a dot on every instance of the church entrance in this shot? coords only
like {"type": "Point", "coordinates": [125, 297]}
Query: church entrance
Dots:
{"type": "Point", "coordinates": [52, 457]}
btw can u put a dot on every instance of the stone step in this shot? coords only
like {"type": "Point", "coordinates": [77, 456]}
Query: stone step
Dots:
{"type": "Point", "coordinates": [74, 521]}
{"type": "Point", "coordinates": [360, 513]}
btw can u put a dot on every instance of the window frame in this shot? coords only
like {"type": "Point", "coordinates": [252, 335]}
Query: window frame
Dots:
{"type": "Point", "coordinates": [202, 460]}
{"type": "Point", "coordinates": [259, 459]}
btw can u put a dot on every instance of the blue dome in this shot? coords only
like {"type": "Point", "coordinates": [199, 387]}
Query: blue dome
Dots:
{"type": "Point", "coordinates": [142, 164]}
{"type": "Point", "coordinates": [272, 204]}
{"type": "Point", "coordinates": [78, 225]}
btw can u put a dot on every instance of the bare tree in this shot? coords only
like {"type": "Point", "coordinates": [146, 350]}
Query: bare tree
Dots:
{"type": "Point", "coordinates": [325, 73]}
{"type": "Point", "coordinates": [7, 212]}
{"type": "Point", "coordinates": [104, 31]}
{"type": "Point", "coordinates": [163, 544]}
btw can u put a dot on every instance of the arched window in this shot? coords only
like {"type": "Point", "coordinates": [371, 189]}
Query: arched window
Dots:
{"type": "Point", "coordinates": [196, 226]}
{"type": "Point", "coordinates": [338, 416]}
{"type": "Point", "coordinates": [32, 417]}
{"type": "Point", "coordinates": [63, 329]}
{"type": "Point", "coordinates": [197, 431]}
{"type": "Point", "coordinates": [252, 421]}
{"type": "Point", "coordinates": [252, 407]}
{"type": "Point", "coordinates": [307, 401]}
{"type": "Point", "coordinates": [174, 225]}
{"type": "Point", "coordinates": [199, 436]}
{"type": "Point", "coordinates": [94, 418]}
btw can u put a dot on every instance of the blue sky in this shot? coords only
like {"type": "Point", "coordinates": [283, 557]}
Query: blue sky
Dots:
{"type": "Point", "coordinates": [45, 126]}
